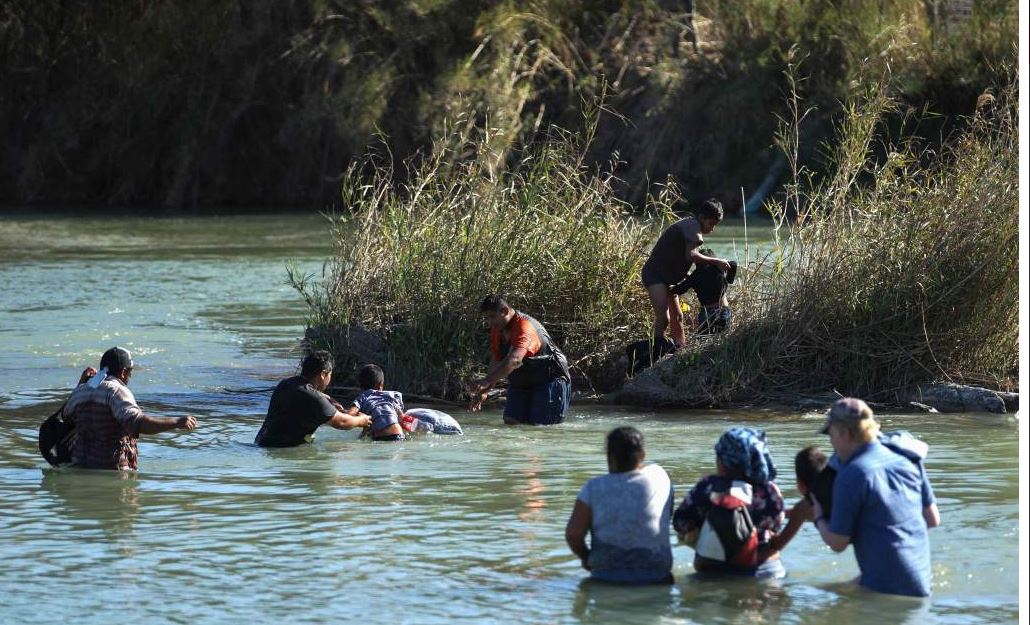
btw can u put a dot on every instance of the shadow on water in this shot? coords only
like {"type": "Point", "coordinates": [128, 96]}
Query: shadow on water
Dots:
{"type": "Point", "coordinates": [710, 598]}
{"type": "Point", "coordinates": [846, 602]}
{"type": "Point", "coordinates": [741, 600]}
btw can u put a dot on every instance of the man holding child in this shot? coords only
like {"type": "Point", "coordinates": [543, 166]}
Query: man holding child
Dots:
{"type": "Point", "coordinates": [883, 504]}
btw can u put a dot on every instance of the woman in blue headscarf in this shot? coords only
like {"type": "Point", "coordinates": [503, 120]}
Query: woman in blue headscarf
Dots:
{"type": "Point", "coordinates": [732, 516]}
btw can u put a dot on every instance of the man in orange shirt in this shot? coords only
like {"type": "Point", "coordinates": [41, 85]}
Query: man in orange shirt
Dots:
{"type": "Point", "coordinates": [539, 384]}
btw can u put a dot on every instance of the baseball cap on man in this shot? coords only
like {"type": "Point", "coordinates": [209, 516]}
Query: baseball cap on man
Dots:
{"type": "Point", "coordinates": [848, 410]}
{"type": "Point", "coordinates": [116, 359]}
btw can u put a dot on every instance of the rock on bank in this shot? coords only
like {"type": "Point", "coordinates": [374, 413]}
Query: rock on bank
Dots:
{"type": "Point", "coordinates": [668, 384]}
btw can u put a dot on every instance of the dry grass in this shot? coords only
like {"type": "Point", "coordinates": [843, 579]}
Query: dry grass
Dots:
{"type": "Point", "coordinates": [900, 269]}
{"type": "Point", "coordinates": [413, 262]}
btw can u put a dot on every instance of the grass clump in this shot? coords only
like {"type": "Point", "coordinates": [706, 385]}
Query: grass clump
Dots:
{"type": "Point", "coordinates": [901, 269]}
{"type": "Point", "coordinates": [412, 261]}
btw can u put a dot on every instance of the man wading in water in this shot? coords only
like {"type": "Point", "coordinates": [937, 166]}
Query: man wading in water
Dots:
{"type": "Point", "coordinates": [539, 384]}
{"type": "Point", "coordinates": [883, 504]}
{"type": "Point", "coordinates": [107, 419]}
{"type": "Point", "coordinates": [299, 405]}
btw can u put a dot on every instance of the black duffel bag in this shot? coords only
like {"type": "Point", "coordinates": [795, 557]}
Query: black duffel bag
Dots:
{"type": "Point", "coordinates": [56, 438]}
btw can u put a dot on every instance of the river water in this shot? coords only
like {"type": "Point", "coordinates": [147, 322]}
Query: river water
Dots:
{"type": "Point", "coordinates": [435, 530]}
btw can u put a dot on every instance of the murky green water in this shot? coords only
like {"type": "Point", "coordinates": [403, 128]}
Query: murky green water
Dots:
{"type": "Point", "coordinates": [439, 530]}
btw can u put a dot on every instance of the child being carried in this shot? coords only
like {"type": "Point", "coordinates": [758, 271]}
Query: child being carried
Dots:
{"type": "Point", "coordinates": [815, 483]}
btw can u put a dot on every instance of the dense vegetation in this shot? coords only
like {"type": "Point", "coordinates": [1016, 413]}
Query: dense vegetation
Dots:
{"type": "Point", "coordinates": [897, 269]}
{"type": "Point", "coordinates": [900, 270]}
{"type": "Point", "coordinates": [413, 261]}
{"type": "Point", "coordinates": [468, 147]}
{"type": "Point", "coordinates": [267, 102]}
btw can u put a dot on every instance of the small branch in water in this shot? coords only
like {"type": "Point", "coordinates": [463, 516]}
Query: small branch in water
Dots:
{"type": "Point", "coordinates": [249, 389]}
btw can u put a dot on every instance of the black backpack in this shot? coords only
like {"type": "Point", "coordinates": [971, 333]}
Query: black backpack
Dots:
{"type": "Point", "coordinates": [56, 438]}
{"type": "Point", "coordinates": [643, 354]}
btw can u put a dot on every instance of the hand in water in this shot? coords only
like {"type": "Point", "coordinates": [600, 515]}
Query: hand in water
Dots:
{"type": "Point", "coordinates": [478, 392]}
{"type": "Point", "coordinates": [477, 402]}
{"type": "Point", "coordinates": [188, 423]}
{"type": "Point", "coordinates": [87, 373]}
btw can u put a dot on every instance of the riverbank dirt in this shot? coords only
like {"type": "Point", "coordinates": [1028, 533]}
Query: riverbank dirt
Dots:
{"type": "Point", "coordinates": [661, 387]}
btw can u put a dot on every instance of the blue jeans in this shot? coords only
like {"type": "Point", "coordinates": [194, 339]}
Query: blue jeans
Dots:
{"type": "Point", "coordinates": [715, 321]}
{"type": "Point", "coordinates": [541, 405]}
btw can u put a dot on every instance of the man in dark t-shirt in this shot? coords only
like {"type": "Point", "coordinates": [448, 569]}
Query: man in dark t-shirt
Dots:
{"type": "Point", "coordinates": [299, 406]}
{"type": "Point", "coordinates": [677, 250]}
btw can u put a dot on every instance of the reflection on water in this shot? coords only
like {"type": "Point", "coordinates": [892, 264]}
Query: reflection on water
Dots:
{"type": "Point", "coordinates": [599, 602]}
{"type": "Point", "coordinates": [533, 507]}
{"type": "Point", "coordinates": [108, 500]}
{"type": "Point", "coordinates": [430, 530]}
{"type": "Point", "coordinates": [848, 602]}
{"type": "Point", "coordinates": [748, 601]}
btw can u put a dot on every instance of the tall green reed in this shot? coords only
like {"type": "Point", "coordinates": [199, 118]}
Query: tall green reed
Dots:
{"type": "Point", "coordinates": [412, 261]}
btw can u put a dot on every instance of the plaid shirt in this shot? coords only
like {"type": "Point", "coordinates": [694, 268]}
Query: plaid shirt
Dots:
{"type": "Point", "coordinates": [107, 421]}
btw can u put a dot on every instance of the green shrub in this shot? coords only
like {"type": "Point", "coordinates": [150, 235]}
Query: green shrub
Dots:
{"type": "Point", "coordinates": [413, 261]}
{"type": "Point", "coordinates": [901, 270]}
{"type": "Point", "coordinates": [266, 102]}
